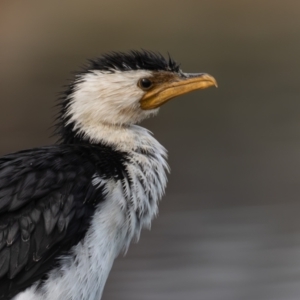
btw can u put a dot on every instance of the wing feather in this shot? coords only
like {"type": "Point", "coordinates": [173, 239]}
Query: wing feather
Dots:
{"type": "Point", "coordinates": [46, 203]}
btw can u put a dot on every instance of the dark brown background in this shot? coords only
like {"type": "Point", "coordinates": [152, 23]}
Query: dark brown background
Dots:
{"type": "Point", "coordinates": [229, 226]}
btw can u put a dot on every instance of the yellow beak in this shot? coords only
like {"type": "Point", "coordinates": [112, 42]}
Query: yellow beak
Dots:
{"type": "Point", "coordinates": [184, 84]}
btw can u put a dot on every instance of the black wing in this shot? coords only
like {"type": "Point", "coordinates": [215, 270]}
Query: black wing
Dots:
{"type": "Point", "coordinates": [46, 202]}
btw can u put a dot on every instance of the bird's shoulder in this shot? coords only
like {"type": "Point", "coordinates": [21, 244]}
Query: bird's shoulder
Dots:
{"type": "Point", "coordinates": [31, 174]}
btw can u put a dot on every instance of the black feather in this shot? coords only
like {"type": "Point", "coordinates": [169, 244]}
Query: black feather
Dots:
{"type": "Point", "coordinates": [46, 207]}
{"type": "Point", "coordinates": [133, 60]}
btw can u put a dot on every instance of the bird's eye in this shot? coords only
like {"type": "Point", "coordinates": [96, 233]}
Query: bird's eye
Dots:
{"type": "Point", "coordinates": [145, 83]}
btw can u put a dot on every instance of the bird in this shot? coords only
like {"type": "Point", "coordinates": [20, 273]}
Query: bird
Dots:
{"type": "Point", "coordinates": [67, 210]}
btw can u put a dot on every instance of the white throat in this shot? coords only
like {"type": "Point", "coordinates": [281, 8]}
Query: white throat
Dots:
{"type": "Point", "coordinates": [122, 138]}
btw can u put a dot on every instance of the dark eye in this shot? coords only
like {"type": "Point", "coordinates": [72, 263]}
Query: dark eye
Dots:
{"type": "Point", "coordinates": [145, 83]}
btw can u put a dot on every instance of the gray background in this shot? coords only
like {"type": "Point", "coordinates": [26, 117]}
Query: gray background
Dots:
{"type": "Point", "coordinates": [229, 227]}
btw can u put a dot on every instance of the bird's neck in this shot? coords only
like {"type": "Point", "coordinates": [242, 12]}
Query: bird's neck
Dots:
{"type": "Point", "coordinates": [125, 138]}
{"type": "Point", "coordinates": [146, 167]}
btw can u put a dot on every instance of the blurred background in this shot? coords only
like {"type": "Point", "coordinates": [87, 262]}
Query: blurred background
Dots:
{"type": "Point", "coordinates": [229, 226]}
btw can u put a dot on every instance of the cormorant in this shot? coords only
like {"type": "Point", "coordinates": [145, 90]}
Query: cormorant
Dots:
{"type": "Point", "coordinates": [67, 210]}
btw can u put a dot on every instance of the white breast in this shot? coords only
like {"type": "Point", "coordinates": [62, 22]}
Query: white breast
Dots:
{"type": "Point", "coordinates": [83, 274]}
{"type": "Point", "coordinates": [130, 205]}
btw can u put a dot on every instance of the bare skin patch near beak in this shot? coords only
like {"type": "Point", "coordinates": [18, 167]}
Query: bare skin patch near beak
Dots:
{"type": "Point", "coordinates": [162, 93]}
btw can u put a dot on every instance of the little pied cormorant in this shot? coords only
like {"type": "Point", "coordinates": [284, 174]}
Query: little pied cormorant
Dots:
{"type": "Point", "coordinates": [67, 210]}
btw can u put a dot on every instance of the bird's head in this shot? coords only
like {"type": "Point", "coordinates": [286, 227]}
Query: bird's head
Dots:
{"type": "Point", "coordinates": [120, 89]}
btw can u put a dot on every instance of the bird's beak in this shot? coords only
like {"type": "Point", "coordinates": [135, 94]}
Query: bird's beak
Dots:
{"type": "Point", "coordinates": [185, 83]}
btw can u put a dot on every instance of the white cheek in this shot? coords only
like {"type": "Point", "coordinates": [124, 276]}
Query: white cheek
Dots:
{"type": "Point", "coordinates": [111, 98]}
